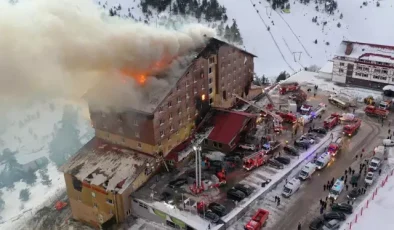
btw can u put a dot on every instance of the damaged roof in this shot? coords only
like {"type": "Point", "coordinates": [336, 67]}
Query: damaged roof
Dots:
{"type": "Point", "coordinates": [103, 164]}
{"type": "Point", "coordinates": [366, 51]}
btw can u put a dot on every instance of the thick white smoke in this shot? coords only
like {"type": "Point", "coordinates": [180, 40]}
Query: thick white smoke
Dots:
{"type": "Point", "coordinates": [64, 47]}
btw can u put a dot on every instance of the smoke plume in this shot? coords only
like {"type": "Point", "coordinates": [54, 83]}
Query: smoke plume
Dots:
{"type": "Point", "coordinates": [64, 47]}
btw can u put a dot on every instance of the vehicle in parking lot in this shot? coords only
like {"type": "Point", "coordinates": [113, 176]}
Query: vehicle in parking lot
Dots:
{"type": "Point", "coordinates": [342, 207]}
{"type": "Point", "coordinates": [258, 220]}
{"type": "Point", "coordinates": [211, 216]}
{"type": "Point", "coordinates": [291, 187]}
{"type": "Point", "coordinates": [244, 188]}
{"type": "Point", "coordinates": [374, 164]}
{"type": "Point", "coordinates": [177, 183]}
{"type": "Point", "coordinates": [235, 194]}
{"type": "Point", "coordinates": [247, 146]}
{"type": "Point", "coordinates": [334, 216]}
{"type": "Point", "coordinates": [233, 159]}
{"type": "Point", "coordinates": [302, 143]}
{"type": "Point", "coordinates": [322, 160]}
{"type": "Point", "coordinates": [316, 223]}
{"type": "Point", "coordinates": [307, 171]}
{"type": "Point", "coordinates": [310, 137]}
{"type": "Point", "coordinates": [283, 160]}
{"type": "Point", "coordinates": [276, 164]}
{"type": "Point", "coordinates": [217, 208]}
{"type": "Point", "coordinates": [331, 225]}
{"type": "Point", "coordinates": [320, 130]}
{"type": "Point", "coordinates": [369, 178]}
{"type": "Point", "coordinates": [291, 150]}
{"type": "Point", "coordinates": [336, 189]}
{"type": "Point", "coordinates": [356, 192]}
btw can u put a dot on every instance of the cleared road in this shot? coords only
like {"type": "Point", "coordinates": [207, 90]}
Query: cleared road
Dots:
{"type": "Point", "coordinates": [306, 206]}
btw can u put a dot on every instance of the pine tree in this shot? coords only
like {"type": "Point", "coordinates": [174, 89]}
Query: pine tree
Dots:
{"type": "Point", "coordinates": [236, 34]}
{"type": "Point", "coordinates": [66, 139]}
{"type": "Point", "coordinates": [227, 33]}
{"type": "Point", "coordinates": [221, 29]}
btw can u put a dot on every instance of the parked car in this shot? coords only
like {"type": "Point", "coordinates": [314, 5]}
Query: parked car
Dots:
{"type": "Point", "coordinates": [334, 216]}
{"type": "Point", "coordinates": [276, 164]}
{"type": "Point", "coordinates": [316, 223]}
{"type": "Point", "coordinates": [356, 192]}
{"type": "Point", "coordinates": [244, 188]}
{"type": "Point", "coordinates": [177, 183]}
{"type": "Point", "coordinates": [369, 178]}
{"type": "Point", "coordinates": [291, 150]}
{"type": "Point", "coordinates": [217, 208]}
{"type": "Point", "coordinates": [331, 225]}
{"type": "Point", "coordinates": [212, 217]}
{"type": "Point", "coordinates": [302, 143]}
{"type": "Point", "coordinates": [354, 179]}
{"type": "Point", "coordinates": [283, 160]}
{"type": "Point", "coordinates": [247, 146]}
{"type": "Point", "coordinates": [233, 159]}
{"type": "Point", "coordinates": [165, 196]}
{"type": "Point", "coordinates": [320, 130]}
{"type": "Point", "coordinates": [310, 137]}
{"type": "Point", "coordinates": [235, 195]}
{"type": "Point", "coordinates": [342, 207]}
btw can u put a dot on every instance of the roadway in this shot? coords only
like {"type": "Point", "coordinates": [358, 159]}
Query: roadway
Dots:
{"type": "Point", "coordinates": [306, 205]}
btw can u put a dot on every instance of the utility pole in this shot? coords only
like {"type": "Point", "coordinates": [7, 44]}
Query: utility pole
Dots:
{"type": "Point", "coordinates": [299, 56]}
{"type": "Point", "coordinates": [197, 150]}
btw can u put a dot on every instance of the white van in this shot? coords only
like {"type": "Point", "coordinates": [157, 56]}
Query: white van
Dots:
{"type": "Point", "coordinates": [336, 189]}
{"type": "Point", "coordinates": [323, 160]}
{"type": "Point", "coordinates": [307, 171]}
{"type": "Point", "coordinates": [291, 187]}
{"type": "Point", "coordinates": [374, 164]}
{"type": "Point", "coordinates": [388, 142]}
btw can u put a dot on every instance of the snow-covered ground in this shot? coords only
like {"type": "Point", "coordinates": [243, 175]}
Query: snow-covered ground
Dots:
{"type": "Point", "coordinates": [378, 212]}
{"type": "Point", "coordinates": [28, 133]}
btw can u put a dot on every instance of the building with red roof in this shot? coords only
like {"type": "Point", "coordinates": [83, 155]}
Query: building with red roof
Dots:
{"type": "Point", "coordinates": [229, 127]}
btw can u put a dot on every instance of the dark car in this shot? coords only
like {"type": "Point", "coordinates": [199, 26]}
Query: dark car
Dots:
{"type": "Point", "coordinates": [276, 164]}
{"type": "Point", "coordinates": [316, 223]}
{"type": "Point", "coordinates": [303, 143]}
{"type": "Point", "coordinates": [334, 216]}
{"type": "Point", "coordinates": [243, 188]}
{"type": "Point", "coordinates": [212, 217]}
{"type": "Point", "coordinates": [236, 195]}
{"type": "Point", "coordinates": [165, 196]}
{"type": "Point", "coordinates": [291, 150]}
{"type": "Point", "coordinates": [354, 178]}
{"type": "Point", "coordinates": [233, 159]}
{"type": "Point", "coordinates": [283, 160]}
{"type": "Point", "coordinates": [217, 208]}
{"type": "Point", "coordinates": [319, 130]}
{"type": "Point", "coordinates": [177, 183]}
{"type": "Point", "coordinates": [356, 192]}
{"type": "Point", "coordinates": [342, 207]}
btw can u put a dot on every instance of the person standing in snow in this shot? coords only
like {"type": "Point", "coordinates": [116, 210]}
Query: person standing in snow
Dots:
{"type": "Point", "coordinates": [299, 226]}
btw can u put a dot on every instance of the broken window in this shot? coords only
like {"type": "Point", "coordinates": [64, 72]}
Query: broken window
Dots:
{"type": "Point", "coordinates": [210, 70]}
{"type": "Point", "coordinates": [77, 184]}
{"type": "Point", "coordinates": [109, 201]}
{"type": "Point", "coordinates": [224, 95]}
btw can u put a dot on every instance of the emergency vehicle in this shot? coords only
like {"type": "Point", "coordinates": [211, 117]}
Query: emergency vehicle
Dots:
{"type": "Point", "coordinates": [336, 189]}
{"type": "Point", "coordinates": [288, 87]}
{"type": "Point", "coordinates": [288, 117]}
{"type": "Point", "coordinates": [351, 129]}
{"type": "Point", "coordinates": [255, 160]}
{"type": "Point", "coordinates": [331, 121]}
{"type": "Point", "coordinates": [319, 111]}
{"type": "Point", "coordinates": [335, 146]}
{"type": "Point", "coordinates": [306, 109]}
{"type": "Point", "coordinates": [258, 220]}
{"type": "Point", "coordinates": [339, 102]}
{"type": "Point", "coordinates": [371, 110]}
{"type": "Point", "coordinates": [386, 105]}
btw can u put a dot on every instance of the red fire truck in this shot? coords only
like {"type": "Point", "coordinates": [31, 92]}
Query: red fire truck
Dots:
{"type": "Point", "coordinates": [288, 87]}
{"type": "Point", "coordinates": [258, 220]}
{"type": "Point", "coordinates": [373, 111]}
{"type": "Point", "coordinates": [255, 160]}
{"type": "Point", "coordinates": [331, 121]}
{"type": "Point", "coordinates": [288, 117]}
{"type": "Point", "coordinates": [335, 146]}
{"type": "Point", "coordinates": [352, 128]}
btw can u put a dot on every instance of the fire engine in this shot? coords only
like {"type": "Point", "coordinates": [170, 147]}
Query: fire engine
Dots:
{"type": "Point", "coordinates": [255, 160]}
{"type": "Point", "coordinates": [352, 128]}
{"type": "Point", "coordinates": [288, 117]}
{"type": "Point", "coordinates": [386, 105]}
{"type": "Point", "coordinates": [258, 220]}
{"type": "Point", "coordinates": [331, 121]}
{"type": "Point", "coordinates": [319, 111]}
{"type": "Point", "coordinates": [371, 110]}
{"type": "Point", "coordinates": [288, 87]}
{"type": "Point", "coordinates": [335, 146]}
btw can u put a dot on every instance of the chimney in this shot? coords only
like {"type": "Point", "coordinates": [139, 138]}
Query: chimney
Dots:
{"type": "Point", "coordinates": [349, 48]}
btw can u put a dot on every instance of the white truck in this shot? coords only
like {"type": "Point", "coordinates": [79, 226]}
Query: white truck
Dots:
{"type": "Point", "coordinates": [291, 187]}
{"type": "Point", "coordinates": [377, 159]}
{"type": "Point", "coordinates": [323, 160]}
{"type": "Point", "coordinates": [307, 171]}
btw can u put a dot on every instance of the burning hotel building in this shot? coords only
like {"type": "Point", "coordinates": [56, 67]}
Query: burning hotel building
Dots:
{"type": "Point", "coordinates": [124, 153]}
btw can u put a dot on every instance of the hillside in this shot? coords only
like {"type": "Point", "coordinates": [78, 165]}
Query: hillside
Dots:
{"type": "Point", "coordinates": [294, 33]}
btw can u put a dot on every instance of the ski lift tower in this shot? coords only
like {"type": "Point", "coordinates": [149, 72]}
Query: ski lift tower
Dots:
{"type": "Point", "coordinates": [198, 186]}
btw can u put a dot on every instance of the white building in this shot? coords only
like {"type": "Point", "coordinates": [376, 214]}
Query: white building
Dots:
{"type": "Point", "coordinates": [326, 71]}
{"type": "Point", "coordinates": [364, 64]}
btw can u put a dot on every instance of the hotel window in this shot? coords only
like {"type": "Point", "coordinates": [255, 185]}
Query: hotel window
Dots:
{"type": "Point", "coordinates": [161, 133]}
{"type": "Point", "coordinates": [95, 205]}
{"type": "Point", "coordinates": [211, 60]}
{"type": "Point", "coordinates": [194, 79]}
{"type": "Point", "coordinates": [177, 88]}
{"type": "Point", "coordinates": [195, 90]}
{"type": "Point", "coordinates": [93, 194]}
{"type": "Point", "coordinates": [169, 104]}
{"type": "Point", "coordinates": [171, 128]}
{"type": "Point", "coordinates": [376, 70]}
{"type": "Point", "coordinates": [109, 201]}
{"type": "Point", "coordinates": [139, 145]}
{"type": "Point", "coordinates": [179, 100]}
{"type": "Point", "coordinates": [161, 122]}
{"type": "Point", "coordinates": [179, 111]}
{"type": "Point", "coordinates": [384, 71]}
{"type": "Point", "coordinates": [187, 83]}
{"type": "Point", "coordinates": [210, 70]}
{"type": "Point", "coordinates": [160, 109]}
{"type": "Point", "coordinates": [137, 134]}
{"type": "Point", "coordinates": [135, 122]}
{"type": "Point", "coordinates": [359, 68]}
{"type": "Point", "coordinates": [210, 80]}
{"type": "Point", "coordinates": [341, 70]}
{"type": "Point", "coordinates": [210, 90]}
{"type": "Point", "coordinates": [358, 74]}
{"type": "Point", "coordinates": [365, 75]}
{"type": "Point", "coordinates": [341, 64]}
{"type": "Point", "coordinates": [202, 75]}
{"type": "Point", "coordinates": [187, 95]}
{"type": "Point", "coordinates": [366, 69]}
{"type": "Point", "coordinates": [188, 117]}
{"type": "Point", "coordinates": [170, 116]}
